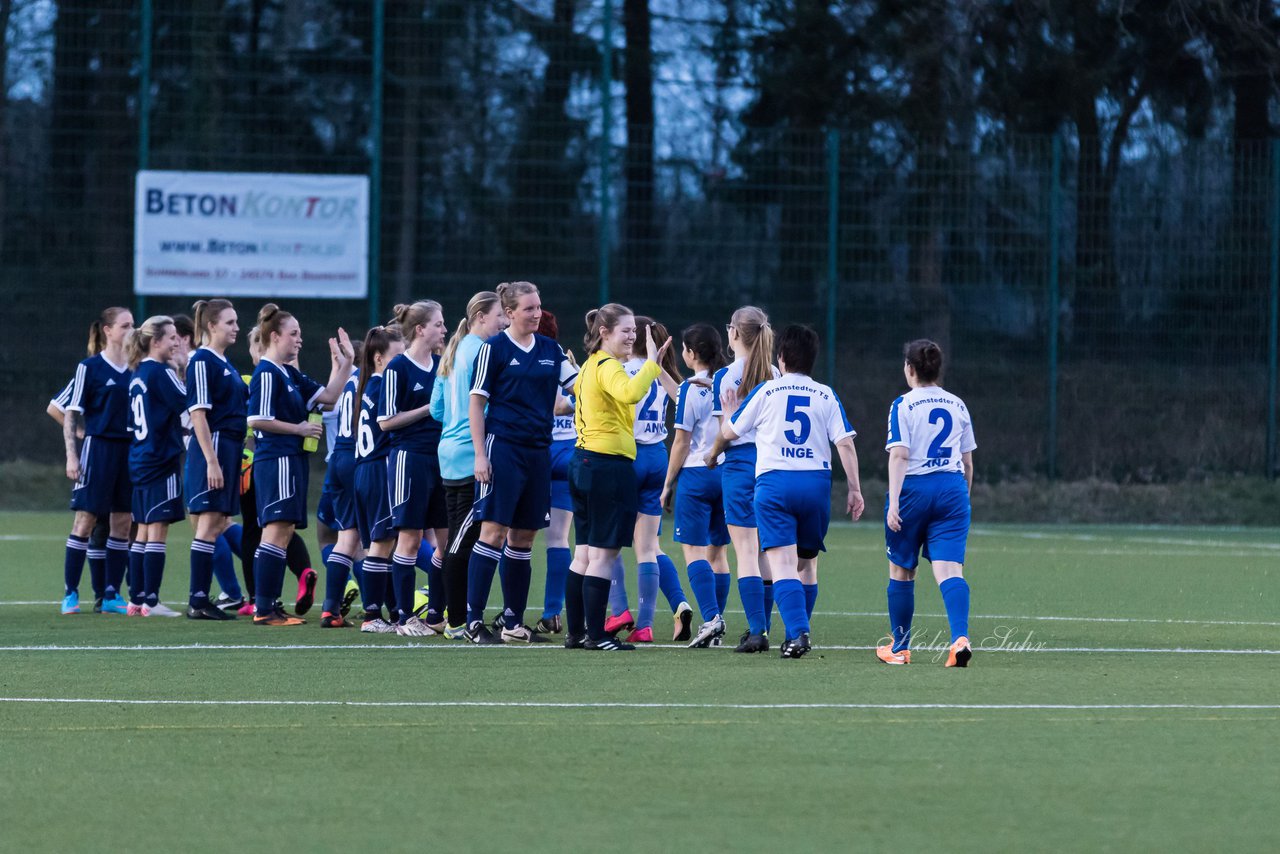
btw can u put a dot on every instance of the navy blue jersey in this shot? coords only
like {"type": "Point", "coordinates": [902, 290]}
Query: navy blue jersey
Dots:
{"type": "Point", "coordinates": [521, 387]}
{"type": "Point", "coordinates": [371, 442]}
{"type": "Point", "coordinates": [216, 387]}
{"type": "Point", "coordinates": [100, 391]}
{"type": "Point", "coordinates": [60, 400]}
{"type": "Point", "coordinates": [407, 385]}
{"type": "Point", "coordinates": [344, 441]}
{"type": "Point", "coordinates": [157, 399]}
{"type": "Point", "coordinates": [283, 393]}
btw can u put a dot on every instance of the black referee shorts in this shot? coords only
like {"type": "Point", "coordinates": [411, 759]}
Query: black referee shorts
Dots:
{"type": "Point", "coordinates": [605, 499]}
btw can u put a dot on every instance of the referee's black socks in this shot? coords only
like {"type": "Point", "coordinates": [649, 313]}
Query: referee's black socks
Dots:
{"type": "Point", "coordinates": [595, 598]}
{"type": "Point", "coordinates": [573, 606]}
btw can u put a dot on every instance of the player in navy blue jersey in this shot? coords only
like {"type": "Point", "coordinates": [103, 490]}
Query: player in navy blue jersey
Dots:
{"type": "Point", "coordinates": [377, 530]}
{"type": "Point", "coordinates": [340, 487]}
{"type": "Point", "coordinates": [57, 410]}
{"type": "Point", "coordinates": [796, 421]}
{"type": "Point", "coordinates": [280, 396]}
{"type": "Point", "coordinates": [516, 376]}
{"type": "Point", "coordinates": [217, 401]}
{"type": "Point", "coordinates": [751, 340]}
{"type": "Point", "coordinates": [98, 412]}
{"type": "Point", "coordinates": [699, 503]}
{"type": "Point", "coordinates": [413, 466]}
{"type": "Point", "coordinates": [927, 510]}
{"type": "Point", "coordinates": [157, 399]}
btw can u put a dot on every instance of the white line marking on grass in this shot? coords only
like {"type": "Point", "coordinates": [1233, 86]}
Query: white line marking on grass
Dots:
{"type": "Point", "coordinates": [22, 538]}
{"type": "Point", "coordinates": [532, 704]}
{"type": "Point", "coordinates": [429, 647]}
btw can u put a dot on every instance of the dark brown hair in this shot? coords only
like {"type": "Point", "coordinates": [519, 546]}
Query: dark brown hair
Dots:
{"type": "Point", "coordinates": [707, 346]}
{"type": "Point", "coordinates": [376, 343]}
{"type": "Point", "coordinates": [206, 313]}
{"type": "Point", "coordinates": [925, 358]}
{"type": "Point", "coordinates": [660, 335]}
{"type": "Point", "coordinates": [601, 320]}
{"type": "Point", "coordinates": [97, 333]}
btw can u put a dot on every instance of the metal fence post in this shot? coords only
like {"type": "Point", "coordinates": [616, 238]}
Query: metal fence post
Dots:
{"type": "Point", "coordinates": [1055, 206]}
{"type": "Point", "coordinates": [1274, 325]}
{"type": "Point", "coordinates": [375, 162]}
{"type": "Point", "coordinates": [606, 130]}
{"type": "Point", "coordinates": [833, 247]}
{"type": "Point", "coordinates": [145, 24]}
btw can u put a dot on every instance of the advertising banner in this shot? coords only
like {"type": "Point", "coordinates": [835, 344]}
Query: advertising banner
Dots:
{"type": "Point", "coordinates": [251, 234]}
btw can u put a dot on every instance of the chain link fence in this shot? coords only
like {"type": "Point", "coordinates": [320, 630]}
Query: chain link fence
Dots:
{"type": "Point", "coordinates": [1107, 313]}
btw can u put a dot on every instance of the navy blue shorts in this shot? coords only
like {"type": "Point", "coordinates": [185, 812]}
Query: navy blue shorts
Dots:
{"type": "Point", "coordinates": [337, 507]}
{"type": "Point", "coordinates": [412, 479]}
{"type": "Point", "coordinates": [561, 454]}
{"type": "Point", "coordinates": [738, 485]}
{"type": "Point", "coordinates": [700, 508]}
{"type": "Point", "coordinates": [651, 474]}
{"type": "Point", "coordinates": [159, 500]}
{"type": "Point", "coordinates": [280, 488]}
{"type": "Point", "coordinates": [604, 499]}
{"type": "Point", "coordinates": [373, 502]}
{"type": "Point", "coordinates": [935, 519]}
{"type": "Point", "coordinates": [437, 506]}
{"type": "Point", "coordinates": [793, 508]}
{"type": "Point", "coordinates": [518, 494]}
{"type": "Point", "coordinates": [227, 447]}
{"type": "Point", "coordinates": [104, 486]}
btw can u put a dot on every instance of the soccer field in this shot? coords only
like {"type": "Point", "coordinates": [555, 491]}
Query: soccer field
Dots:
{"type": "Point", "coordinates": [1124, 694]}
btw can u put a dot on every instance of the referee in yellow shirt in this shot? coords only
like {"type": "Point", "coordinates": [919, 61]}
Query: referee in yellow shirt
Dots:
{"type": "Point", "coordinates": [602, 477]}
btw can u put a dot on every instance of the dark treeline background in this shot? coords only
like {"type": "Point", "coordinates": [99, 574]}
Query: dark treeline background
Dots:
{"type": "Point", "coordinates": [688, 156]}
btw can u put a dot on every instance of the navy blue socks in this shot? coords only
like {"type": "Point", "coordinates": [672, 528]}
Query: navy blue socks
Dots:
{"type": "Point", "coordinates": [117, 566]}
{"type": "Point", "coordinates": [153, 571]}
{"type": "Point", "coordinates": [73, 563]}
{"type": "Point", "coordinates": [480, 571]}
{"type": "Point", "coordinates": [403, 574]}
{"type": "Point", "coordinates": [337, 568]}
{"type": "Point", "coordinates": [268, 577]}
{"type": "Point", "coordinates": [723, 582]}
{"type": "Point", "coordinates": [201, 573]}
{"type": "Point", "coordinates": [515, 584]}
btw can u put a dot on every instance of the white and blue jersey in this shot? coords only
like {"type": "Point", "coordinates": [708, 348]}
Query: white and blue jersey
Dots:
{"type": "Point", "coordinates": [730, 376]}
{"type": "Point", "coordinates": [563, 438]}
{"type": "Point", "coordinates": [695, 415]}
{"type": "Point", "coordinates": [407, 385]}
{"type": "Point", "coordinates": [699, 504]}
{"type": "Point", "coordinates": [100, 391]}
{"type": "Point", "coordinates": [935, 428]}
{"type": "Point", "coordinates": [216, 387]}
{"type": "Point", "coordinates": [157, 399]}
{"type": "Point", "coordinates": [651, 412]}
{"type": "Point", "coordinates": [520, 384]}
{"type": "Point", "coordinates": [796, 420]}
{"type": "Point", "coordinates": [651, 453]}
{"type": "Point", "coordinates": [738, 473]}
{"type": "Point", "coordinates": [281, 393]}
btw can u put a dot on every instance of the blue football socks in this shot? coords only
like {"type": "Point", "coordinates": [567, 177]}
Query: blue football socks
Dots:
{"type": "Point", "coordinates": [768, 605]}
{"type": "Point", "coordinates": [751, 591]}
{"type": "Point", "coordinates": [789, 594]}
{"type": "Point", "coordinates": [669, 581]}
{"type": "Point", "coordinates": [703, 582]}
{"type": "Point", "coordinates": [618, 589]}
{"type": "Point", "coordinates": [558, 560]}
{"type": "Point", "coordinates": [902, 607]}
{"type": "Point", "coordinates": [723, 582]}
{"type": "Point", "coordinates": [955, 596]}
{"type": "Point", "coordinates": [810, 598]}
{"type": "Point", "coordinates": [647, 585]}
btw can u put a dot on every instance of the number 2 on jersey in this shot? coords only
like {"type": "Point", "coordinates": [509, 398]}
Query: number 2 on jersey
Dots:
{"type": "Point", "coordinates": [796, 404]}
{"type": "Point", "coordinates": [937, 448]}
{"type": "Point", "coordinates": [648, 412]}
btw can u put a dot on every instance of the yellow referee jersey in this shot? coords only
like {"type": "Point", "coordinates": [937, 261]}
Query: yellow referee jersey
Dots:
{"type": "Point", "coordinates": [607, 395]}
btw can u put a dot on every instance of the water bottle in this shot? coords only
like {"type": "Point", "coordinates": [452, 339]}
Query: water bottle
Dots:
{"type": "Point", "coordinates": [312, 444]}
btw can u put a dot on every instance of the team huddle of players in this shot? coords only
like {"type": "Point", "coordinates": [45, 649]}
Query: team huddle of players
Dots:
{"type": "Point", "coordinates": [450, 453]}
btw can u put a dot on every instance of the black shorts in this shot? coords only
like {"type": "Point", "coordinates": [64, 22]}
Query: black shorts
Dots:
{"type": "Point", "coordinates": [605, 499]}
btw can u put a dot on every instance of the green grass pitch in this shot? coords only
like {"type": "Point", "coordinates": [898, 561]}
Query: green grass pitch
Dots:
{"type": "Point", "coordinates": [1124, 694]}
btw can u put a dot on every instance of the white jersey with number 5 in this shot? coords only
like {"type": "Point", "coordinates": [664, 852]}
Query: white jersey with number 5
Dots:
{"type": "Point", "coordinates": [796, 420]}
{"type": "Point", "coordinates": [934, 426]}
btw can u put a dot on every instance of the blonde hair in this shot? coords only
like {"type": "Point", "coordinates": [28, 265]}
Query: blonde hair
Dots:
{"type": "Point", "coordinates": [139, 343]}
{"type": "Point", "coordinates": [601, 320]}
{"type": "Point", "coordinates": [510, 293]}
{"type": "Point", "coordinates": [756, 333]}
{"type": "Point", "coordinates": [412, 315]}
{"type": "Point", "coordinates": [481, 303]}
{"type": "Point", "coordinates": [207, 312]}
{"type": "Point", "coordinates": [97, 329]}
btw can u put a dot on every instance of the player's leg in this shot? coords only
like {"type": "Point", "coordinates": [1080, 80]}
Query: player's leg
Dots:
{"type": "Point", "coordinates": [945, 544]}
{"type": "Point", "coordinates": [903, 549]}
{"type": "Point", "coordinates": [559, 557]}
{"type": "Point", "coordinates": [647, 575]}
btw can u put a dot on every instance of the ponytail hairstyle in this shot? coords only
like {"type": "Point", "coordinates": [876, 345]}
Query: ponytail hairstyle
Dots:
{"type": "Point", "coordinates": [601, 320]}
{"type": "Point", "coordinates": [660, 335]}
{"type": "Point", "coordinates": [270, 318]}
{"type": "Point", "coordinates": [707, 346]}
{"type": "Point", "coordinates": [481, 303]}
{"type": "Point", "coordinates": [510, 293]}
{"type": "Point", "coordinates": [138, 344]}
{"type": "Point", "coordinates": [376, 343]}
{"type": "Point", "coordinates": [412, 315]}
{"type": "Point", "coordinates": [206, 313]}
{"type": "Point", "coordinates": [756, 333]}
{"type": "Point", "coordinates": [97, 329]}
{"type": "Point", "coordinates": [925, 358]}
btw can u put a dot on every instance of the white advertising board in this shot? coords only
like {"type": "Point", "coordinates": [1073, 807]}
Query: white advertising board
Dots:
{"type": "Point", "coordinates": [251, 234]}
